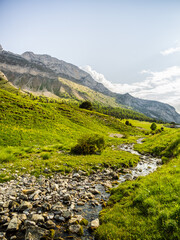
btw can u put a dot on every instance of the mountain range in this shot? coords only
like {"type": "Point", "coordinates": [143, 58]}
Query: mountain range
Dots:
{"type": "Point", "coordinates": [46, 75]}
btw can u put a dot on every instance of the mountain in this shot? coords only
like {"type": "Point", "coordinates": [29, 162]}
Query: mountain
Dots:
{"type": "Point", "coordinates": [152, 109]}
{"type": "Point", "coordinates": [55, 78]}
{"type": "Point", "coordinates": [67, 71]}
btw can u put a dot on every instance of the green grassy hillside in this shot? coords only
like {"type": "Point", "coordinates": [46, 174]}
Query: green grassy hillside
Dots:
{"type": "Point", "coordinates": [30, 122]}
{"type": "Point", "coordinates": [31, 129]}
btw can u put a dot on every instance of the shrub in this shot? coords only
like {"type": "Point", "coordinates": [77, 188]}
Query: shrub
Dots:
{"type": "Point", "coordinates": [89, 145]}
{"type": "Point", "coordinates": [153, 126]}
{"type": "Point", "coordinates": [128, 123]}
{"type": "Point", "coordinates": [45, 156]}
{"type": "Point", "coordinates": [86, 105]}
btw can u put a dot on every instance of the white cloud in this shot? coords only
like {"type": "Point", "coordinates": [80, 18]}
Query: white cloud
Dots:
{"type": "Point", "coordinates": [98, 77]}
{"type": "Point", "coordinates": [162, 86]}
{"type": "Point", "coordinates": [170, 51]}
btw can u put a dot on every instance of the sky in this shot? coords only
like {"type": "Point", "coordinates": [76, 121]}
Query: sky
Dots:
{"type": "Point", "coordinates": [128, 45]}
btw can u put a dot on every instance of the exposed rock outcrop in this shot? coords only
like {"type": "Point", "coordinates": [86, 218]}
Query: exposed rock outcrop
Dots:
{"type": "Point", "coordinates": [39, 73]}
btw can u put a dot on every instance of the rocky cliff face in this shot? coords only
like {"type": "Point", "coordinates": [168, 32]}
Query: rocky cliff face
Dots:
{"type": "Point", "coordinates": [40, 72]}
{"type": "Point", "coordinates": [150, 108]}
{"type": "Point", "coordinates": [66, 70]}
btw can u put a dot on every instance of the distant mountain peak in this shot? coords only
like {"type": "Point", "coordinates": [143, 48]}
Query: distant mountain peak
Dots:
{"type": "Point", "coordinates": [38, 72]}
{"type": "Point", "coordinates": [28, 53]}
{"type": "Point", "coordinates": [1, 48]}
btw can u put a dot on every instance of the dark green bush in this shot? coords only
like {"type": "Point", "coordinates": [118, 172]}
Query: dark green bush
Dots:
{"type": "Point", "coordinates": [153, 126]}
{"type": "Point", "coordinates": [89, 145]}
{"type": "Point", "coordinates": [86, 105]}
{"type": "Point", "coordinates": [128, 123]}
{"type": "Point", "coordinates": [45, 156]}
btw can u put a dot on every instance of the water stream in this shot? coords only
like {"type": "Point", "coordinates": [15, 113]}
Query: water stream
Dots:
{"type": "Point", "coordinates": [146, 165]}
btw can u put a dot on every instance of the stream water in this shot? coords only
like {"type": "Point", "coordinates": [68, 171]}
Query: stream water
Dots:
{"type": "Point", "coordinates": [145, 166]}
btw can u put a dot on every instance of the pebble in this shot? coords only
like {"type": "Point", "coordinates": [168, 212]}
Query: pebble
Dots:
{"type": "Point", "coordinates": [94, 224]}
{"type": "Point", "coordinates": [77, 228]}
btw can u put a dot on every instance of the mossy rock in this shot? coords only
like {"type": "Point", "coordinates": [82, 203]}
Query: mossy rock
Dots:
{"type": "Point", "coordinates": [84, 222]}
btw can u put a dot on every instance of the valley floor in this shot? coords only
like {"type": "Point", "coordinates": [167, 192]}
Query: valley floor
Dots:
{"type": "Point", "coordinates": [36, 160]}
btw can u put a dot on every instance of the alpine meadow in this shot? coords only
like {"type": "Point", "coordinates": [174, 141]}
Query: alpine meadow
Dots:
{"type": "Point", "coordinates": [84, 156]}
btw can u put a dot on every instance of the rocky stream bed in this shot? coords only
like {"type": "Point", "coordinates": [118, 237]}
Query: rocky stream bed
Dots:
{"type": "Point", "coordinates": [62, 206]}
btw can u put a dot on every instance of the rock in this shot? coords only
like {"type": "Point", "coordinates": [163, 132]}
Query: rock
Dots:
{"type": "Point", "coordinates": [28, 191]}
{"type": "Point", "coordinates": [14, 224]}
{"type": "Point", "coordinates": [66, 198]}
{"type": "Point", "coordinates": [46, 170]}
{"type": "Point", "coordinates": [50, 224]}
{"type": "Point", "coordinates": [94, 224]}
{"type": "Point", "coordinates": [2, 235]}
{"type": "Point", "coordinates": [80, 203]}
{"type": "Point", "coordinates": [95, 203]}
{"type": "Point", "coordinates": [6, 204]}
{"type": "Point", "coordinates": [36, 233]}
{"type": "Point", "coordinates": [22, 217]}
{"type": "Point", "coordinates": [13, 238]}
{"type": "Point", "coordinates": [94, 191]}
{"type": "Point", "coordinates": [72, 206]}
{"type": "Point", "coordinates": [25, 205]}
{"type": "Point", "coordinates": [5, 219]}
{"type": "Point", "coordinates": [125, 170]}
{"type": "Point", "coordinates": [108, 184]}
{"type": "Point", "coordinates": [57, 207]}
{"type": "Point", "coordinates": [13, 205]}
{"type": "Point", "coordinates": [82, 172]}
{"type": "Point", "coordinates": [23, 196]}
{"type": "Point", "coordinates": [35, 195]}
{"type": "Point", "coordinates": [67, 214]}
{"type": "Point", "coordinates": [28, 223]}
{"type": "Point", "coordinates": [115, 175]}
{"type": "Point", "coordinates": [50, 216]}
{"type": "Point", "coordinates": [76, 175]}
{"type": "Point", "coordinates": [89, 195]}
{"type": "Point", "coordinates": [46, 206]}
{"type": "Point", "coordinates": [76, 219]}
{"type": "Point", "coordinates": [59, 218]}
{"type": "Point", "coordinates": [76, 228]}
{"type": "Point", "coordinates": [54, 186]}
{"type": "Point", "coordinates": [128, 177]}
{"type": "Point", "coordinates": [37, 218]}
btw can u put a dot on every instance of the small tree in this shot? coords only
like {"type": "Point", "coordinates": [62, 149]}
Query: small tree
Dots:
{"type": "Point", "coordinates": [86, 105]}
{"type": "Point", "coordinates": [128, 123]}
{"type": "Point", "coordinates": [153, 126]}
{"type": "Point", "coordinates": [89, 145]}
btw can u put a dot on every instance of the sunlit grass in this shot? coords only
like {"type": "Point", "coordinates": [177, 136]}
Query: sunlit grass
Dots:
{"type": "Point", "coordinates": [149, 207]}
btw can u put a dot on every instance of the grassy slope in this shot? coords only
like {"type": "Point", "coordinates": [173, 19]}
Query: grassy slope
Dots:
{"type": "Point", "coordinates": [101, 103]}
{"type": "Point", "coordinates": [26, 122]}
{"type": "Point", "coordinates": [166, 144]}
{"type": "Point", "coordinates": [149, 207]}
{"type": "Point", "coordinates": [30, 129]}
{"type": "Point", "coordinates": [79, 92]}
{"type": "Point", "coordinates": [5, 85]}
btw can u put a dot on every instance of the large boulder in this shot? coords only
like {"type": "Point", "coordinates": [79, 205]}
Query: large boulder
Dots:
{"type": "Point", "coordinates": [14, 224]}
{"type": "Point", "coordinates": [36, 233]}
